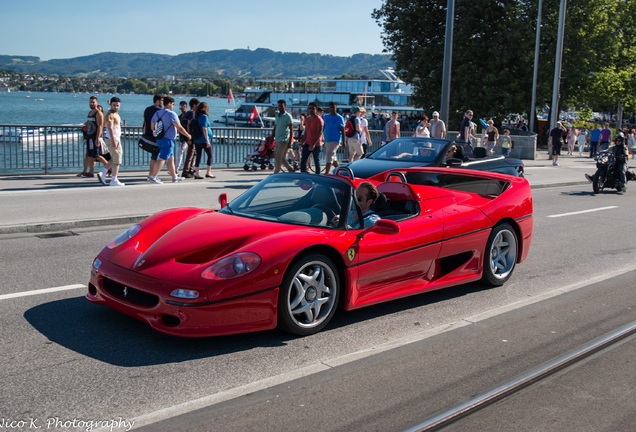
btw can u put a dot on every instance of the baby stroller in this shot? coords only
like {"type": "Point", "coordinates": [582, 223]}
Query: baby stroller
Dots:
{"type": "Point", "coordinates": [262, 156]}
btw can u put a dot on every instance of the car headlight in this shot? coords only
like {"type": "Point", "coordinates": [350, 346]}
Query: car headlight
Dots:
{"type": "Point", "coordinates": [185, 294]}
{"type": "Point", "coordinates": [232, 266]}
{"type": "Point", "coordinates": [123, 237]}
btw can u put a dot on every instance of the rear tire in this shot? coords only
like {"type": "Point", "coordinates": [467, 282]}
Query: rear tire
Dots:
{"type": "Point", "coordinates": [500, 255]}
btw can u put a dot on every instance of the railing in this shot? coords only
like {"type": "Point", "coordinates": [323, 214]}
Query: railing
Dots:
{"type": "Point", "coordinates": [46, 149]}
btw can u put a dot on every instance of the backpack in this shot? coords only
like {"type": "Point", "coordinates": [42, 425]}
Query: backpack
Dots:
{"type": "Point", "coordinates": [158, 132]}
{"type": "Point", "coordinates": [194, 129]}
{"type": "Point", "coordinates": [350, 127]}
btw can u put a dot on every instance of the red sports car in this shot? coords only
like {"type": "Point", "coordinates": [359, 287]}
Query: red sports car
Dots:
{"type": "Point", "coordinates": [284, 253]}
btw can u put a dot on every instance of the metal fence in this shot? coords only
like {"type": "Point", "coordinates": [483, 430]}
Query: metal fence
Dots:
{"type": "Point", "coordinates": [47, 149]}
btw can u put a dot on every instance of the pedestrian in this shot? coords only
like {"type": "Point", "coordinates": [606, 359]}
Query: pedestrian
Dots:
{"type": "Point", "coordinates": [392, 128]}
{"type": "Point", "coordinates": [354, 145]}
{"type": "Point", "coordinates": [314, 126]}
{"type": "Point", "coordinates": [283, 134]}
{"type": "Point", "coordinates": [606, 137]}
{"type": "Point", "coordinates": [506, 143]}
{"type": "Point", "coordinates": [492, 135]}
{"type": "Point", "coordinates": [556, 141]}
{"type": "Point", "coordinates": [147, 134]}
{"type": "Point", "coordinates": [631, 141]}
{"type": "Point", "coordinates": [581, 140]}
{"type": "Point", "coordinates": [422, 130]}
{"type": "Point", "coordinates": [466, 128]}
{"type": "Point", "coordinates": [93, 128]}
{"type": "Point", "coordinates": [191, 154]}
{"type": "Point", "coordinates": [203, 143]}
{"type": "Point", "coordinates": [594, 137]}
{"type": "Point", "coordinates": [181, 148]}
{"type": "Point", "coordinates": [171, 126]}
{"type": "Point", "coordinates": [363, 131]}
{"type": "Point", "coordinates": [334, 134]}
{"type": "Point", "coordinates": [571, 139]}
{"type": "Point", "coordinates": [437, 127]}
{"type": "Point", "coordinates": [113, 142]}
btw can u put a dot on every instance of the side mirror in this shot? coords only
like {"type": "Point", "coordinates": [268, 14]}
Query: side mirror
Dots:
{"type": "Point", "coordinates": [223, 199]}
{"type": "Point", "coordinates": [382, 226]}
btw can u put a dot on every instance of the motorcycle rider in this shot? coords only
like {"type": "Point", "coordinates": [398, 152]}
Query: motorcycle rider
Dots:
{"type": "Point", "coordinates": [621, 155]}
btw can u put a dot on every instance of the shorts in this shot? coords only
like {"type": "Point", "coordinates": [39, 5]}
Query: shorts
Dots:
{"type": "Point", "coordinates": [354, 146]}
{"type": "Point", "coordinates": [116, 154]}
{"type": "Point", "coordinates": [166, 148]}
{"type": "Point", "coordinates": [91, 150]}
{"type": "Point", "coordinates": [556, 149]}
{"type": "Point", "coordinates": [330, 150]}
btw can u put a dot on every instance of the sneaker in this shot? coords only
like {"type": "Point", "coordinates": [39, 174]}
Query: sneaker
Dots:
{"type": "Point", "coordinates": [101, 176]}
{"type": "Point", "coordinates": [589, 178]}
{"type": "Point", "coordinates": [115, 182]}
{"type": "Point", "coordinates": [88, 175]}
{"type": "Point", "coordinates": [555, 164]}
{"type": "Point", "coordinates": [177, 179]}
{"type": "Point", "coordinates": [155, 180]}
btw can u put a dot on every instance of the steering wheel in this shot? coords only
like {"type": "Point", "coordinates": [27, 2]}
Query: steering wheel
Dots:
{"type": "Point", "coordinates": [330, 213]}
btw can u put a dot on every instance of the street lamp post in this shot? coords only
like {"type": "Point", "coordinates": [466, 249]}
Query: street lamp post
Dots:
{"type": "Point", "coordinates": [554, 108]}
{"type": "Point", "coordinates": [448, 60]}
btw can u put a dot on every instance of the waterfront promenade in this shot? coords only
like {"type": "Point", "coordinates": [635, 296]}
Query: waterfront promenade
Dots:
{"type": "Point", "coordinates": [56, 203]}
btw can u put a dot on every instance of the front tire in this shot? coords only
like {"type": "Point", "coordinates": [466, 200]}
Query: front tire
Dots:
{"type": "Point", "coordinates": [598, 181]}
{"type": "Point", "coordinates": [309, 295]}
{"type": "Point", "coordinates": [500, 256]}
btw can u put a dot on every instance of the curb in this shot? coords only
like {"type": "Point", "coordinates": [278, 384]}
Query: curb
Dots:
{"type": "Point", "coordinates": [67, 225]}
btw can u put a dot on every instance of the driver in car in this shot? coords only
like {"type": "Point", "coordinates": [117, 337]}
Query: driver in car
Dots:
{"type": "Point", "coordinates": [365, 194]}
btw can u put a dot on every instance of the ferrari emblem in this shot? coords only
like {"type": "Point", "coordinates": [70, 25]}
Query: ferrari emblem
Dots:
{"type": "Point", "coordinates": [125, 292]}
{"type": "Point", "coordinates": [351, 253]}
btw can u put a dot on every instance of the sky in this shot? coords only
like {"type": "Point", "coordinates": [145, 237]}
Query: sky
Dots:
{"type": "Point", "coordinates": [59, 29]}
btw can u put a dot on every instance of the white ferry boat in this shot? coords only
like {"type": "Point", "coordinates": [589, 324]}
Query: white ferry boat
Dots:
{"type": "Point", "coordinates": [379, 96]}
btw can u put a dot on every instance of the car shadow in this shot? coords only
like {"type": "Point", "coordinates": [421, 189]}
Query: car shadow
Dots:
{"type": "Point", "coordinates": [111, 337]}
{"type": "Point", "coordinates": [106, 335]}
{"type": "Point", "coordinates": [400, 305]}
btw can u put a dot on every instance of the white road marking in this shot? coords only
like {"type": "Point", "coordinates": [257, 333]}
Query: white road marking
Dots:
{"type": "Point", "coordinates": [41, 291]}
{"type": "Point", "coordinates": [582, 211]}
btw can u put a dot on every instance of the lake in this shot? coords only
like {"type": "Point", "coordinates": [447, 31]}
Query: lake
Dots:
{"type": "Point", "coordinates": [43, 108]}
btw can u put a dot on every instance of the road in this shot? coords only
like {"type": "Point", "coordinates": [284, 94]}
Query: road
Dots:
{"type": "Point", "coordinates": [380, 368]}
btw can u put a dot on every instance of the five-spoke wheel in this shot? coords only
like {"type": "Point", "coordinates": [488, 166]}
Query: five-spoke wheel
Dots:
{"type": "Point", "coordinates": [500, 255]}
{"type": "Point", "coordinates": [309, 295]}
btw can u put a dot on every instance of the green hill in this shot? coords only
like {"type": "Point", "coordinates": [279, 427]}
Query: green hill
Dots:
{"type": "Point", "coordinates": [259, 63]}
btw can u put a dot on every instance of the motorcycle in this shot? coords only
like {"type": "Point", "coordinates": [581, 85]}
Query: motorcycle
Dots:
{"type": "Point", "coordinates": [606, 175]}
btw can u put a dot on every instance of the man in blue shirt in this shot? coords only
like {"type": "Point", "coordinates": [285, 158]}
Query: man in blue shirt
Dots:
{"type": "Point", "coordinates": [171, 126]}
{"type": "Point", "coordinates": [333, 133]}
{"type": "Point", "coordinates": [595, 136]}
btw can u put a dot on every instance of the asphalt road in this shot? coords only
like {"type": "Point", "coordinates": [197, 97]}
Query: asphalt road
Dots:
{"type": "Point", "coordinates": [380, 368]}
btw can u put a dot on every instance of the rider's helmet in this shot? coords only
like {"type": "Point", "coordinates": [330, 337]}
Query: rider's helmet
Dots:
{"type": "Point", "coordinates": [619, 140]}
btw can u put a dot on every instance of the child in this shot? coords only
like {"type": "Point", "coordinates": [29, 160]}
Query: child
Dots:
{"type": "Point", "coordinates": [506, 143]}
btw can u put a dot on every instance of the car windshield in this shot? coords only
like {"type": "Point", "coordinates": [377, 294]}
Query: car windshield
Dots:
{"type": "Point", "coordinates": [299, 199]}
{"type": "Point", "coordinates": [410, 149]}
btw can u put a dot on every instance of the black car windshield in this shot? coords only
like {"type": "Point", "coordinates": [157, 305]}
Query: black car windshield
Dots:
{"type": "Point", "coordinates": [299, 199]}
{"type": "Point", "coordinates": [410, 149]}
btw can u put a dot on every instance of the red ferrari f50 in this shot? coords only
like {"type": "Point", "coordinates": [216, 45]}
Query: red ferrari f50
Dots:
{"type": "Point", "coordinates": [278, 256]}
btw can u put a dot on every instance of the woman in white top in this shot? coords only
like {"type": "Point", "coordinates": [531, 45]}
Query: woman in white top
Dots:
{"type": "Point", "coordinates": [422, 129]}
{"type": "Point", "coordinates": [363, 130]}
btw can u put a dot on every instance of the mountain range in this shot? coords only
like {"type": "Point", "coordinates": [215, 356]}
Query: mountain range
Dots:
{"type": "Point", "coordinates": [258, 63]}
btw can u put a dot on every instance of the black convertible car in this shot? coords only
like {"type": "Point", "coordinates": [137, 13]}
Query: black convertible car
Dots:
{"type": "Point", "coordinates": [414, 152]}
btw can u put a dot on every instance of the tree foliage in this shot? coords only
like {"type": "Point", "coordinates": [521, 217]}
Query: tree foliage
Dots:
{"type": "Point", "coordinates": [493, 53]}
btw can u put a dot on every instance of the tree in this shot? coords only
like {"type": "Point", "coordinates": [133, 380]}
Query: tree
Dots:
{"type": "Point", "coordinates": [493, 53]}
